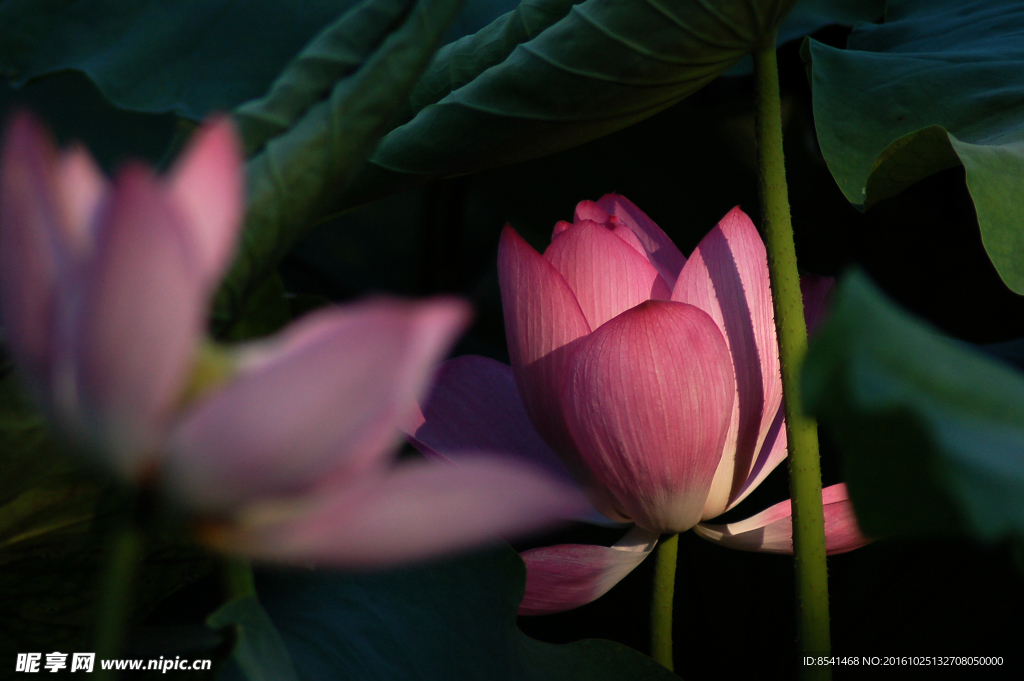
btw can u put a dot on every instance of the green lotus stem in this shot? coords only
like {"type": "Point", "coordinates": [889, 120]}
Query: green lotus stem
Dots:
{"type": "Point", "coordinates": [662, 595]}
{"type": "Point", "coordinates": [804, 464]}
{"type": "Point", "coordinates": [117, 589]}
{"type": "Point", "coordinates": [238, 579]}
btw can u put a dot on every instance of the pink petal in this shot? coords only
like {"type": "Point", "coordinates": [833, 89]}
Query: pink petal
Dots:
{"type": "Point", "coordinates": [727, 277]}
{"type": "Point", "coordinates": [816, 292]}
{"type": "Point", "coordinates": [663, 254]}
{"type": "Point", "coordinates": [626, 234]}
{"type": "Point", "coordinates": [207, 183]}
{"type": "Point", "coordinates": [418, 510]}
{"type": "Point", "coordinates": [771, 530]}
{"type": "Point", "coordinates": [326, 401]}
{"type": "Point", "coordinates": [80, 188]}
{"type": "Point", "coordinates": [773, 449]}
{"type": "Point", "coordinates": [131, 339]}
{"type": "Point", "coordinates": [589, 210]}
{"type": "Point", "coordinates": [474, 405]}
{"type": "Point", "coordinates": [606, 275]}
{"type": "Point", "coordinates": [564, 577]}
{"type": "Point", "coordinates": [542, 322]}
{"type": "Point", "coordinates": [773, 452]}
{"type": "Point", "coordinates": [29, 223]}
{"type": "Point", "coordinates": [560, 227]}
{"type": "Point", "coordinates": [647, 400]}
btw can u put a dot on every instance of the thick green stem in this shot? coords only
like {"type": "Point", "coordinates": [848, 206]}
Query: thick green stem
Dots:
{"type": "Point", "coordinates": [238, 579]}
{"type": "Point", "coordinates": [661, 601]}
{"type": "Point", "coordinates": [117, 590]}
{"type": "Point", "coordinates": [802, 432]}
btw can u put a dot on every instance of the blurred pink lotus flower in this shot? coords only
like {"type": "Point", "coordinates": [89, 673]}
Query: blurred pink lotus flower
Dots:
{"type": "Point", "coordinates": [650, 379]}
{"type": "Point", "coordinates": [104, 290]}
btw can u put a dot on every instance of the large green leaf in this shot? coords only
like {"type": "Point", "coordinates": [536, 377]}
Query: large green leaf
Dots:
{"type": "Point", "coordinates": [940, 83]}
{"type": "Point", "coordinates": [933, 429]}
{"type": "Point", "coordinates": [459, 62]}
{"type": "Point", "coordinates": [187, 56]}
{"type": "Point", "coordinates": [810, 15]}
{"type": "Point", "coordinates": [593, 81]}
{"type": "Point", "coordinates": [557, 73]}
{"type": "Point", "coordinates": [452, 620]}
{"type": "Point", "coordinates": [603, 66]}
{"type": "Point", "coordinates": [299, 171]}
{"type": "Point", "coordinates": [336, 52]}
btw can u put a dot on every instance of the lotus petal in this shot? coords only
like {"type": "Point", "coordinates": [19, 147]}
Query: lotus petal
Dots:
{"type": "Point", "coordinates": [28, 235]}
{"type": "Point", "coordinates": [542, 322]}
{"type": "Point", "coordinates": [606, 275]}
{"type": "Point", "coordinates": [771, 530]}
{"type": "Point", "coordinates": [566, 576]}
{"type": "Point", "coordinates": [727, 277]}
{"type": "Point", "coordinates": [326, 400]}
{"type": "Point", "coordinates": [647, 399]}
{"type": "Point", "coordinates": [816, 291]}
{"type": "Point", "coordinates": [664, 254]}
{"type": "Point", "coordinates": [474, 406]}
{"type": "Point", "coordinates": [416, 511]}
{"type": "Point", "coordinates": [207, 183]}
{"type": "Point", "coordinates": [127, 349]}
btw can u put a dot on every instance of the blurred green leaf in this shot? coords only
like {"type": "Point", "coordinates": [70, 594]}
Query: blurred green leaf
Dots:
{"type": "Point", "coordinates": [259, 651]}
{"type": "Point", "coordinates": [450, 620]}
{"type": "Point", "coordinates": [187, 56]}
{"type": "Point", "coordinates": [940, 83]}
{"type": "Point", "coordinates": [933, 430]}
{"type": "Point", "coordinates": [266, 312]}
{"type": "Point", "coordinates": [300, 171]}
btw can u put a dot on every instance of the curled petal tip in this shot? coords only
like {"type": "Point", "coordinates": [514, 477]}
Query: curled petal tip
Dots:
{"type": "Point", "coordinates": [590, 210]}
{"type": "Point", "coordinates": [771, 530]}
{"type": "Point", "coordinates": [660, 249]}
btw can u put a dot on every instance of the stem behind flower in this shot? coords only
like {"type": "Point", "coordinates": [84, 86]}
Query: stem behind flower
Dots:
{"type": "Point", "coordinates": [117, 589]}
{"type": "Point", "coordinates": [662, 598]}
{"type": "Point", "coordinates": [804, 465]}
{"type": "Point", "coordinates": [238, 578]}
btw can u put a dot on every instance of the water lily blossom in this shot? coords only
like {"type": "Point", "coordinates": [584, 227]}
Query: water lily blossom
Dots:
{"type": "Point", "coordinates": [289, 455]}
{"type": "Point", "coordinates": [651, 379]}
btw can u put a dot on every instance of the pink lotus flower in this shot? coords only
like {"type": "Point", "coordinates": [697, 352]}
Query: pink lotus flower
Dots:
{"type": "Point", "coordinates": [103, 295]}
{"type": "Point", "coordinates": [650, 379]}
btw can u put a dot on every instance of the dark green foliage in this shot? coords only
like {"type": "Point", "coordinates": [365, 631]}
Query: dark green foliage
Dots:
{"type": "Point", "coordinates": [447, 620]}
{"type": "Point", "coordinates": [933, 430]}
{"type": "Point", "coordinates": [939, 83]}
